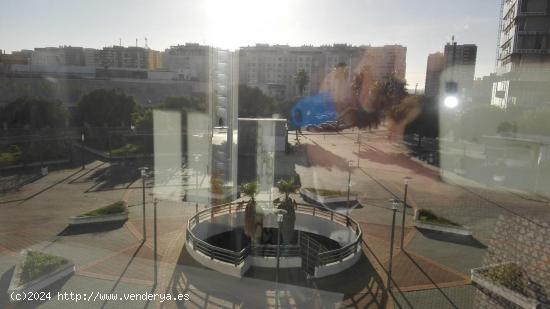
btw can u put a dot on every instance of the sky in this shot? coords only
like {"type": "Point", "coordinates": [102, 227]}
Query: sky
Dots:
{"type": "Point", "coordinates": [423, 26]}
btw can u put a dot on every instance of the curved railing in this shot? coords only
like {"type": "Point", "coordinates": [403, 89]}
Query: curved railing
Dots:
{"type": "Point", "coordinates": [237, 257]}
{"type": "Point", "coordinates": [339, 254]}
{"type": "Point", "coordinates": [271, 250]}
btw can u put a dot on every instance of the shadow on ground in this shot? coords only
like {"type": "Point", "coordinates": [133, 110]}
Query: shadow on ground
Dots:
{"type": "Point", "coordinates": [401, 160]}
{"type": "Point", "coordinates": [319, 156]}
{"type": "Point", "coordinates": [452, 238]}
{"type": "Point", "coordinates": [91, 228]}
{"type": "Point", "coordinates": [357, 287]}
{"type": "Point", "coordinates": [341, 206]}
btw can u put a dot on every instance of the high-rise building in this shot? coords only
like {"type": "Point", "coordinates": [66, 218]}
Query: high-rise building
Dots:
{"type": "Point", "coordinates": [456, 67]}
{"type": "Point", "coordinates": [483, 89]}
{"type": "Point", "coordinates": [436, 65]}
{"type": "Point", "coordinates": [460, 63]}
{"type": "Point", "coordinates": [386, 60]}
{"type": "Point", "coordinates": [523, 54]}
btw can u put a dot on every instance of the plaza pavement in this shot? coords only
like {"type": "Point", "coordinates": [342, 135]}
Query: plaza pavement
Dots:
{"type": "Point", "coordinates": [116, 260]}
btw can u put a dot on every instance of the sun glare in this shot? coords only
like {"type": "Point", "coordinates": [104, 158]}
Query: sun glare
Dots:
{"type": "Point", "coordinates": [235, 23]}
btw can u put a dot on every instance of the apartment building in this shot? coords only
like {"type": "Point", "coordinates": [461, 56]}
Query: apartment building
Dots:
{"type": "Point", "coordinates": [272, 67]}
{"type": "Point", "coordinates": [16, 57]}
{"type": "Point", "coordinates": [58, 56]}
{"type": "Point", "coordinates": [523, 54]}
{"type": "Point", "coordinates": [460, 65]}
{"type": "Point", "coordinates": [189, 61]}
{"type": "Point", "coordinates": [436, 65]}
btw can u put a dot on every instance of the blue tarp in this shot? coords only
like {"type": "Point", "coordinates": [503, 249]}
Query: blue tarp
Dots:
{"type": "Point", "coordinates": [314, 110]}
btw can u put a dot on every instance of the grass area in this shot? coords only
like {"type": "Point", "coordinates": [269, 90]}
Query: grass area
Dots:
{"type": "Point", "coordinates": [325, 192]}
{"type": "Point", "coordinates": [508, 275]}
{"type": "Point", "coordinates": [37, 264]}
{"type": "Point", "coordinates": [115, 208]}
{"type": "Point", "coordinates": [126, 149]}
{"type": "Point", "coordinates": [427, 216]}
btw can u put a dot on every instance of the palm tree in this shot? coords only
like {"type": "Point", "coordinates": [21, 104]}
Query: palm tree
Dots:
{"type": "Point", "coordinates": [388, 92]}
{"type": "Point", "coordinates": [287, 187]}
{"type": "Point", "coordinates": [301, 79]}
{"type": "Point", "coordinates": [250, 223]}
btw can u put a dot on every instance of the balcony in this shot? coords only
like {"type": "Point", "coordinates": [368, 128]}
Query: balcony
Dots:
{"type": "Point", "coordinates": [531, 51]}
{"type": "Point", "coordinates": [531, 14]}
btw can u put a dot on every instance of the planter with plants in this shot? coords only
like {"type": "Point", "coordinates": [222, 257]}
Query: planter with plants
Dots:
{"type": "Point", "coordinates": [426, 219]}
{"type": "Point", "coordinates": [287, 187]}
{"type": "Point", "coordinates": [37, 270]}
{"type": "Point", "coordinates": [253, 215]}
{"type": "Point", "coordinates": [507, 280]}
{"type": "Point", "coordinates": [117, 211]}
{"type": "Point", "coordinates": [324, 196]}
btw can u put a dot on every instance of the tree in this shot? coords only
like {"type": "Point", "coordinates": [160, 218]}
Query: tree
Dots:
{"type": "Point", "coordinates": [103, 107]}
{"type": "Point", "coordinates": [250, 216]}
{"type": "Point", "coordinates": [402, 114]}
{"type": "Point", "coordinates": [387, 93]}
{"type": "Point", "coordinates": [254, 104]}
{"type": "Point", "coordinates": [189, 104]}
{"type": "Point", "coordinates": [302, 80]}
{"type": "Point", "coordinates": [34, 113]}
{"type": "Point", "coordinates": [339, 85]}
{"type": "Point", "coordinates": [287, 187]}
{"type": "Point", "coordinates": [362, 85]}
{"type": "Point", "coordinates": [143, 119]}
{"type": "Point", "coordinates": [427, 122]}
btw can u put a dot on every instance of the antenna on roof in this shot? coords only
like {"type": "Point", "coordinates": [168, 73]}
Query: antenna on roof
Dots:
{"type": "Point", "coordinates": [136, 42]}
{"type": "Point", "coordinates": [119, 41]}
{"type": "Point", "coordinates": [146, 43]}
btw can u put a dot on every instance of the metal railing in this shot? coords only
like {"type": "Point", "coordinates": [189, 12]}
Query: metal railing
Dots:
{"type": "Point", "coordinates": [339, 254]}
{"type": "Point", "coordinates": [221, 254]}
{"type": "Point", "coordinates": [237, 257]}
{"type": "Point", "coordinates": [271, 250]}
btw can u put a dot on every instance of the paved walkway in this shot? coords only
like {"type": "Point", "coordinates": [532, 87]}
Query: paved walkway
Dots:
{"type": "Point", "coordinates": [114, 259]}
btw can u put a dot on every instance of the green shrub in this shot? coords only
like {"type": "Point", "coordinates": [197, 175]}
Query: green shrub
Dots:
{"type": "Point", "coordinates": [115, 208]}
{"type": "Point", "coordinates": [216, 185]}
{"type": "Point", "coordinates": [10, 156]}
{"type": "Point", "coordinates": [427, 216]}
{"type": "Point", "coordinates": [37, 264]}
{"type": "Point", "coordinates": [250, 189]}
{"type": "Point", "coordinates": [126, 149]}
{"type": "Point", "coordinates": [510, 276]}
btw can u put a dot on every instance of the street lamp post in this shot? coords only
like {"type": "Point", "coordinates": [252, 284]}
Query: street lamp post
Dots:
{"type": "Point", "coordinates": [155, 201]}
{"type": "Point", "coordinates": [196, 157]}
{"type": "Point", "coordinates": [349, 185]}
{"type": "Point", "coordinates": [280, 213]}
{"type": "Point", "coordinates": [82, 138]}
{"type": "Point", "coordinates": [358, 146]}
{"type": "Point", "coordinates": [406, 180]}
{"type": "Point", "coordinates": [143, 175]}
{"type": "Point", "coordinates": [394, 206]}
